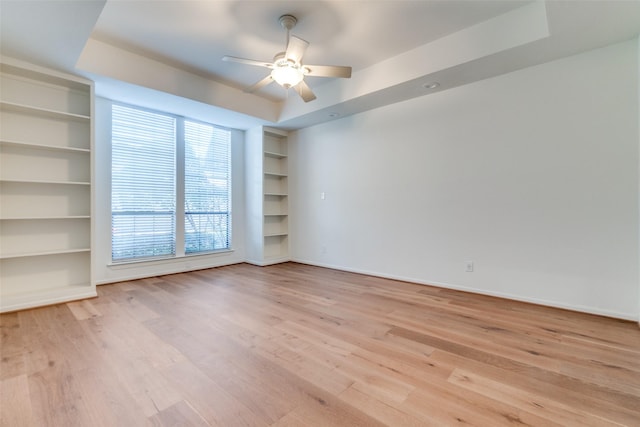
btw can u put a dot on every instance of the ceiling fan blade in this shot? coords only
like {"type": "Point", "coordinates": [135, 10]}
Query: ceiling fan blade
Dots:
{"type": "Point", "coordinates": [304, 91]}
{"type": "Point", "coordinates": [328, 71]}
{"type": "Point", "coordinates": [262, 83]}
{"type": "Point", "coordinates": [247, 61]}
{"type": "Point", "coordinates": [295, 49]}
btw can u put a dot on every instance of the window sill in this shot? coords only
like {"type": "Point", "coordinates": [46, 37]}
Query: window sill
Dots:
{"type": "Point", "coordinates": [166, 260]}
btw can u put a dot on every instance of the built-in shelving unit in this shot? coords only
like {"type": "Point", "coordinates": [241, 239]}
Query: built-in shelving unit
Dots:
{"type": "Point", "coordinates": [45, 187]}
{"type": "Point", "coordinates": [268, 196]}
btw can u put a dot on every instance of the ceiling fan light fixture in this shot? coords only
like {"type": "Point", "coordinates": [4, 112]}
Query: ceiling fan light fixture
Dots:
{"type": "Point", "coordinates": [287, 74]}
{"type": "Point", "coordinates": [287, 68]}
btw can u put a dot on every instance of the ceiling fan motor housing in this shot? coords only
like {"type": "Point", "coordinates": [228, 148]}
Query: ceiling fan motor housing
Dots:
{"type": "Point", "coordinates": [288, 21]}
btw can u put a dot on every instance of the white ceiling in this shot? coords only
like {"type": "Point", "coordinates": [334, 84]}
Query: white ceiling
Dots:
{"type": "Point", "coordinates": [394, 47]}
{"type": "Point", "coordinates": [195, 35]}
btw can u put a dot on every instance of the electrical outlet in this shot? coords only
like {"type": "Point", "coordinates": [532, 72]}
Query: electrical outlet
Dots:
{"type": "Point", "coordinates": [468, 266]}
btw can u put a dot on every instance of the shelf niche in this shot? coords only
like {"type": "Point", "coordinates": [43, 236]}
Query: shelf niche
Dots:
{"type": "Point", "coordinates": [267, 196]}
{"type": "Point", "coordinates": [46, 139]}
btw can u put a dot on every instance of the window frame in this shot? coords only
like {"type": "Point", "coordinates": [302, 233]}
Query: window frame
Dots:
{"type": "Point", "coordinates": [180, 189]}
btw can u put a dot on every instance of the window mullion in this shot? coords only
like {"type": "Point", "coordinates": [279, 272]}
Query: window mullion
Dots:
{"type": "Point", "coordinates": [180, 188]}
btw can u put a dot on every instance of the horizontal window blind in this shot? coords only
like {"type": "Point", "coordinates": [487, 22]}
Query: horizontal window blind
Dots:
{"type": "Point", "coordinates": [143, 193]}
{"type": "Point", "coordinates": [207, 187]}
{"type": "Point", "coordinates": [145, 149]}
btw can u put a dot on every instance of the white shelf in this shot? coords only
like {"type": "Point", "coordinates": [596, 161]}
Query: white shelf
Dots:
{"type": "Point", "coordinates": [44, 237]}
{"type": "Point", "coordinates": [23, 274]}
{"type": "Point", "coordinates": [45, 187]}
{"type": "Point", "coordinates": [46, 112]}
{"type": "Point", "coordinates": [44, 130]}
{"type": "Point", "coordinates": [43, 146]}
{"type": "Point", "coordinates": [40, 182]}
{"type": "Point", "coordinates": [44, 78]}
{"type": "Point", "coordinates": [276, 248]}
{"type": "Point", "coordinates": [30, 164]}
{"type": "Point", "coordinates": [25, 200]}
{"type": "Point", "coordinates": [276, 225]}
{"type": "Point", "coordinates": [275, 185]}
{"type": "Point", "coordinates": [276, 174]}
{"type": "Point", "coordinates": [275, 155]}
{"type": "Point", "coordinates": [38, 254]}
{"type": "Point", "coordinates": [37, 218]}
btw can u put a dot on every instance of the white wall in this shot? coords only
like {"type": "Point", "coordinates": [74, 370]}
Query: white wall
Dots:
{"type": "Point", "coordinates": [532, 175]}
{"type": "Point", "coordinates": [103, 271]}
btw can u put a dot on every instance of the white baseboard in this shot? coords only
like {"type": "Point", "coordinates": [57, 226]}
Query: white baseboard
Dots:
{"type": "Point", "coordinates": [167, 270]}
{"type": "Point", "coordinates": [548, 303]}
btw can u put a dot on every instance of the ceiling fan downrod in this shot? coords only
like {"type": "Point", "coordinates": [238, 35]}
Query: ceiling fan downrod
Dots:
{"type": "Point", "coordinates": [288, 22]}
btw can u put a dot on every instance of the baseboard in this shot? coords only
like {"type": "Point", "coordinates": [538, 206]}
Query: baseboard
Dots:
{"type": "Point", "coordinates": [267, 262]}
{"type": "Point", "coordinates": [45, 298]}
{"type": "Point", "coordinates": [165, 272]}
{"type": "Point", "coordinates": [546, 303]}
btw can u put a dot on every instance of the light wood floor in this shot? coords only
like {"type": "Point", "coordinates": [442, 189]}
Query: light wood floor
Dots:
{"type": "Point", "coordinates": [294, 345]}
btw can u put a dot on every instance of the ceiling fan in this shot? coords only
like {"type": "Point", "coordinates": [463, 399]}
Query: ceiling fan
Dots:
{"type": "Point", "coordinates": [287, 68]}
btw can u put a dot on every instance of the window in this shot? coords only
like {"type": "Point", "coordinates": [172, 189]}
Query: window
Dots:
{"type": "Point", "coordinates": [207, 183]}
{"type": "Point", "coordinates": [158, 161]}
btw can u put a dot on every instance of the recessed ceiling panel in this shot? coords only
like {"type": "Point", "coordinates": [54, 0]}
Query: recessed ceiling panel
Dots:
{"type": "Point", "coordinates": [194, 35]}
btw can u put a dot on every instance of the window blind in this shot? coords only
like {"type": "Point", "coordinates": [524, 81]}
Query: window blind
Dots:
{"type": "Point", "coordinates": [145, 190]}
{"type": "Point", "coordinates": [143, 198]}
{"type": "Point", "coordinates": [207, 187]}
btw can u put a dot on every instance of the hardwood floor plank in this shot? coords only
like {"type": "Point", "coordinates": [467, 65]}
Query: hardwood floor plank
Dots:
{"type": "Point", "coordinates": [629, 401]}
{"type": "Point", "coordinates": [12, 347]}
{"type": "Point", "coordinates": [105, 398]}
{"type": "Point", "coordinates": [386, 414]}
{"type": "Point", "coordinates": [83, 310]}
{"type": "Point", "coordinates": [540, 405]}
{"type": "Point", "coordinates": [227, 365]}
{"type": "Point", "coordinates": [291, 420]}
{"type": "Point", "coordinates": [317, 338]}
{"type": "Point", "coordinates": [53, 337]}
{"type": "Point", "coordinates": [124, 333]}
{"type": "Point", "coordinates": [180, 414]}
{"type": "Point", "coordinates": [297, 345]}
{"type": "Point", "coordinates": [442, 406]}
{"type": "Point", "coordinates": [577, 399]}
{"type": "Point", "coordinates": [139, 376]}
{"type": "Point", "coordinates": [208, 399]}
{"type": "Point", "coordinates": [128, 303]}
{"type": "Point", "coordinates": [15, 402]}
{"type": "Point", "coordinates": [284, 350]}
{"type": "Point", "coordinates": [56, 398]}
{"type": "Point", "coordinates": [327, 410]}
